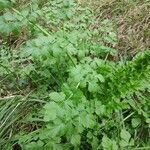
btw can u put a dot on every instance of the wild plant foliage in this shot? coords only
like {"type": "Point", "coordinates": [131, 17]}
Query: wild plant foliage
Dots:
{"type": "Point", "coordinates": [81, 98]}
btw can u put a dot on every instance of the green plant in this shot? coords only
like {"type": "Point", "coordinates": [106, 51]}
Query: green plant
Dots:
{"type": "Point", "coordinates": [75, 95]}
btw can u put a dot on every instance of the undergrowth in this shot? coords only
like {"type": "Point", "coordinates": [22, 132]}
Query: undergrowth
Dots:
{"type": "Point", "coordinates": [131, 18]}
{"type": "Point", "coordinates": [61, 86]}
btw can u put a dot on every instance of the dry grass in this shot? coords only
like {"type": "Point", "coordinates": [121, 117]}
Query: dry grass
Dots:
{"type": "Point", "coordinates": [132, 19]}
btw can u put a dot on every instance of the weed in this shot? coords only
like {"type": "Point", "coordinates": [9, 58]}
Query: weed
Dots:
{"type": "Point", "coordinates": [61, 84]}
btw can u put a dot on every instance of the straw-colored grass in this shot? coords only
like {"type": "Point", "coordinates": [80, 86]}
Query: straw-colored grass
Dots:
{"type": "Point", "coordinates": [132, 19]}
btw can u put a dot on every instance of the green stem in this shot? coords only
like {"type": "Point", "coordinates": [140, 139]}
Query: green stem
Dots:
{"type": "Point", "coordinates": [128, 116]}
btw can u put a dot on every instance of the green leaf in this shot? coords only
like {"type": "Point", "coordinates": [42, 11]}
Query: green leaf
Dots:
{"type": "Point", "coordinates": [34, 146]}
{"type": "Point", "coordinates": [109, 50]}
{"type": "Point", "coordinates": [126, 139]}
{"type": "Point", "coordinates": [100, 109]}
{"type": "Point", "coordinates": [100, 77]}
{"type": "Point", "coordinates": [125, 135]}
{"type": "Point", "coordinates": [135, 122]}
{"type": "Point", "coordinates": [27, 70]}
{"type": "Point", "coordinates": [75, 139]}
{"type": "Point", "coordinates": [71, 49]}
{"type": "Point", "coordinates": [109, 144]}
{"type": "Point", "coordinates": [57, 96]}
{"type": "Point", "coordinates": [87, 120]}
{"type": "Point", "coordinates": [76, 74]}
{"type": "Point", "coordinates": [55, 130]}
{"type": "Point", "coordinates": [93, 87]}
{"type": "Point", "coordinates": [8, 16]}
{"type": "Point", "coordinates": [25, 12]}
{"type": "Point", "coordinates": [4, 4]}
{"type": "Point", "coordinates": [95, 143]}
{"type": "Point", "coordinates": [50, 111]}
{"type": "Point", "coordinates": [123, 143]}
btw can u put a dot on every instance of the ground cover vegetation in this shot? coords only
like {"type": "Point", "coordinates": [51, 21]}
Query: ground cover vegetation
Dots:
{"type": "Point", "coordinates": [71, 78]}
